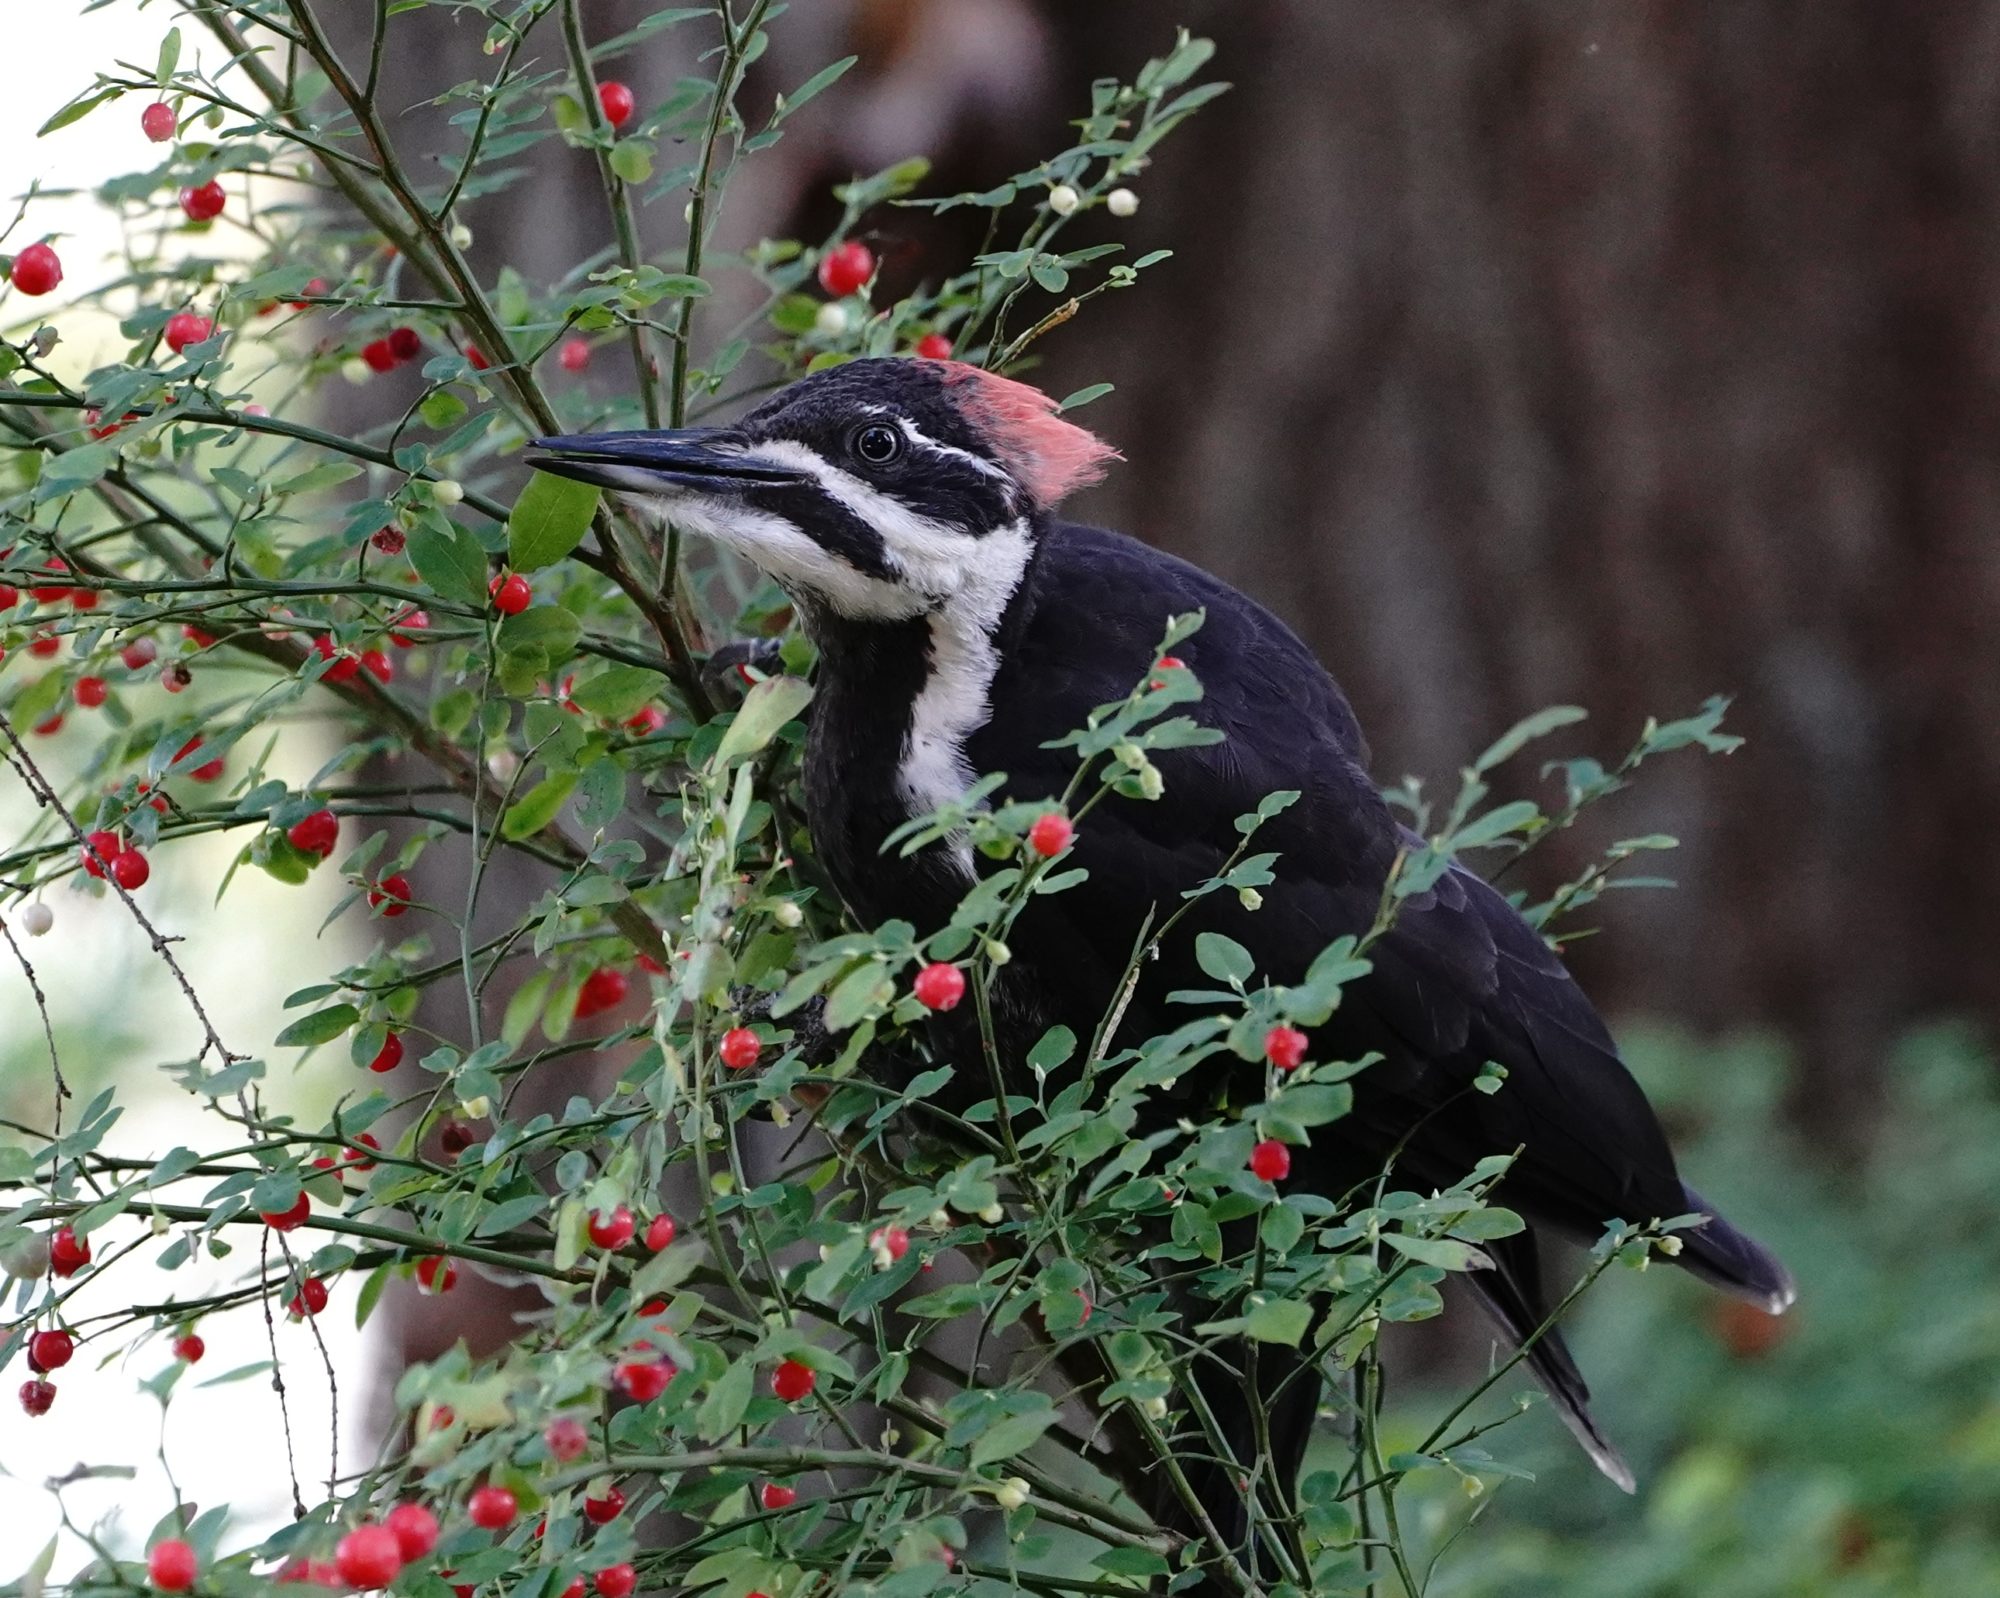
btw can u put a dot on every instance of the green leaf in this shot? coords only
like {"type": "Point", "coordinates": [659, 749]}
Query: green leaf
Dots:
{"type": "Point", "coordinates": [1278, 1320]}
{"type": "Point", "coordinates": [77, 110]}
{"type": "Point", "coordinates": [74, 469]}
{"type": "Point", "coordinates": [452, 564]}
{"type": "Point", "coordinates": [766, 708]}
{"type": "Point", "coordinates": [170, 58]}
{"type": "Point", "coordinates": [326, 475]}
{"type": "Point", "coordinates": [1496, 824]}
{"type": "Point", "coordinates": [1524, 732]}
{"type": "Point", "coordinates": [1223, 958]}
{"type": "Point", "coordinates": [632, 159]}
{"type": "Point", "coordinates": [548, 521]}
{"type": "Point", "coordinates": [441, 408]}
{"type": "Point", "coordinates": [536, 808]}
{"type": "Point", "coordinates": [322, 1026]}
{"type": "Point", "coordinates": [721, 1411]}
{"type": "Point", "coordinates": [1084, 396]}
{"type": "Point", "coordinates": [619, 693]}
{"type": "Point", "coordinates": [1008, 1436]}
{"type": "Point", "coordinates": [1442, 1252]}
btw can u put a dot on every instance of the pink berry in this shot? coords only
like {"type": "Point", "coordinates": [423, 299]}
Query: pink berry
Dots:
{"type": "Point", "coordinates": [617, 103]}
{"type": "Point", "coordinates": [566, 1437]}
{"type": "Point", "coordinates": [611, 1231]}
{"type": "Point", "coordinates": [660, 1232]}
{"type": "Point", "coordinates": [1271, 1160]}
{"type": "Point", "coordinates": [846, 267]}
{"type": "Point", "coordinates": [793, 1380]}
{"type": "Point", "coordinates": [939, 986]}
{"type": "Point", "coordinates": [171, 1565]}
{"type": "Point", "coordinates": [933, 347]}
{"type": "Point", "coordinates": [157, 122]}
{"type": "Point", "coordinates": [205, 203]}
{"type": "Point", "coordinates": [37, 269]}
{"type": "Point", "coordinates": [368, 1557]}
{"type": "Point", "coordinates": [1285, 1047]}
{"type": "Point", "coordinates": [139, 654]}
{"type": "Point", "coordinates": [574, 355]}
{"type": "Point", "coordinates": [1050, 835]}
{"type": "Point", "coordinates": [415, 1529]}
{"type": "Point", "coordinates": [740, 1048]}
{"type": "Point", "coordinates": [494, 1508]}
{"type": "Point", "coordinates": [511, 594]}
{"type": "Point", "coordinates": [37, 1396]}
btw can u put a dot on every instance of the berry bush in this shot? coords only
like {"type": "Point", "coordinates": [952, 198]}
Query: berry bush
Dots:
{"type": "Point", "coordinates": [864, 1350]}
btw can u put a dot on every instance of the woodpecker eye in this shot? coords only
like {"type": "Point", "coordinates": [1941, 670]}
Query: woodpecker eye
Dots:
{"type": "Point", "coordinates": [876, 444]}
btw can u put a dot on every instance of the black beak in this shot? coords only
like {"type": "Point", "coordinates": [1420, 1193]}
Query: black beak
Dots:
{"type": "Point", "coordinates": [707, 460]}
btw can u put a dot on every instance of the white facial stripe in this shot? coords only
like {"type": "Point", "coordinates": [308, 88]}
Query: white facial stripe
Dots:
{"type": "Point", "coordinates": [954, 702]}
{"type": "Point", "coordinates": [923, 440]}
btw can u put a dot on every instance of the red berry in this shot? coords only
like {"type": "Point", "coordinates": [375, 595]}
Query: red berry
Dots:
{"type": "Point", "coordinates": [376, 664]}
{"type": "Point", "coordinates": [414, 621]}
{"type": "Point", "coordinates": [171, 1565]}
{"type": "Point", "coordinates": [574, 355]}
{"type": "Point", "coordinates": [37, 269]}
{"type": "Point", "coordinates": [37, 1396]}
{"type": "Point", "coordinates": [10, 596]}
{"type": "Point", "coordinates": [575, 1587]}
{"type": "Point", "coordinates": [740, 1048]}
{"type": "Point", "coordinates": [415, 1529]}
{"type": "Point", "coordinates": [616, 1581]}
{"type": "Point", "coordinates": [845, 267]}
{"type": "Point", "coordinates": [602, 1511]}
{"type": "Point", "coordinates": [456, 1137]}
{"type": "Point", "coordinates": [391, 895]}
{"type": "Point", "coordinates": [437, 1274]}
{"type": "Point", "coordinates": [357, 1159]}
{"type": "Point", "coordinates": [648, 721]}
{"type": "Point", "coordinates": [50, 1351]}
{"type": "Point", "coordinates": [289, 1219]}
{"type": "Point", "coordinates": [377, 355]}
{"type": "Point", "coordinates": [1271, 1160]}
{"type": "Point", "coordinates": [933, 347]}
{"type": "Point", "coordinates": [473, 355]}
{"type": "Point", "coordinates": [45, 645]}
{"type": "Point", "coordinates": [939, 986]}
{"type": "Point", "coordinates": [389, 1056]}
{"type": "Point", "coordinates": [310, 1299]}
{"type": "Point", "coordinates": [100, 848]}
{"type": "Point", "coordinates": [369, 1556]}
{"type": "Point", "coordinates": [567, 1438]}
{"type": "Point", "coordinates": [405, 345]}
{"type": "Point", "coordinates": [317, 286]}
{"type": "Point", "coordinates": [188, 1348]}
{"type": "Point", "coordinates": [602, 990]}
{"type": "Point", "coordinates": [1050, 835]}
{"type": "Point", "coordinates": [205, 203]}
{"type": "Point", "coordinates": [660, 1232]}
{"type": "Point", "coordinates": [617, 103]}
{"type": "Point", "coordinates": [185, 328]}
{"type": "Point", "coordinates": [92, 692]}
{"type": "Point", "coordinates": [893, 1241]}
{"type": "Point", "coordinates": [611, 1231]}
{"type": "Point", "coordinates": [68, 1253]}
{"type": "Point", "coordinates": [643, 1380]}
{"type": "Point", "coordinates": [774, 1495]}
{"type": "Point", "coordinates": [389, 540]}
{"type": "Point", "coordinates": [344, 668]}
{"type": "Point", "coordinates": [493, 1508]}
{"type": "Point", "coordinates": [49, 724]}
{"type": "Point", "coordinates": [792, 1380]}
{"type": "Point", "coordinates": [157, 122]}
{"type": "Point", "coordinates": [131, 870]}
{"type": "Point", "coordinates": [511, 593]}
{"type": "Point", "coordinates": [318, 834]}
{"type": "Point", "coordinates": [1285, 1047]}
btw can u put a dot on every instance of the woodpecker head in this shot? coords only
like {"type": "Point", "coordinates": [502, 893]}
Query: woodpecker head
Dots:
{"type": "Point", "coordinates": [882, 489]}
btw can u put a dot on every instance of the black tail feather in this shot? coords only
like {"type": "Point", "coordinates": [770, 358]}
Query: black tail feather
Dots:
{"type": "Point", "coordinates": [1738, 1264]}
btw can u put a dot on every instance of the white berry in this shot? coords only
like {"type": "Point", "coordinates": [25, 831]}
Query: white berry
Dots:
{"type": "Point", "coordinates": [1121, 202]}
{"type": "Point", "coordinates": [1063, 199]}
{"type": "Point", "coordinates": [1011, 1493]}
{"type": "Point", "coordinates": [832, 320]}
{"type": "Point", "coordinates": [447, 491]}
{"type": "Point", "coordinates": [36, 919]}
{"type": "Point", "coordinates": [461, 235]}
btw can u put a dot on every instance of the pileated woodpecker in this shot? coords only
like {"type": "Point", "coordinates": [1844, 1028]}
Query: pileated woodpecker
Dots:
{"type": "Point", "coordinates": [909, 509]}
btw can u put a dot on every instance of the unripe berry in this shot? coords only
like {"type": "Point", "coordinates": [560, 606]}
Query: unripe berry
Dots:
{"type": "Point", "coordinates": [50, 1351]}
{"type": "Point", "coordinates": [415, 1529]}
{"type": "Point", "coordinates": [157, 122]}
{"type": "Point", "coordinates": [37, 1396]}
{"type": "Point", "coordinates": [368, 1557]}
{"type": "Point", "coordinates": [574, 355]}
{"type": "Point", "coordinates": [493, 1508]}
{"type": "Point", "coordinates": [1285, 1047]}
{"type": "Point", "coordinates": [775, 1495]}
{"type": "Point", "coordinates": [37, 270]}
{"type": "Point", "coordinates": [793, 1380]}
{"type": "Point", "coordinates": [205, 203]}
{"type": "Point", "coordinates": [447, 491]}
{"type": "Point", "coordinates": [617, 103]}
{"type": "Point", "coordinates": [171, 1565]}
{"type": "Point", "coordinates": [1121, 202]}
{"type": "Point", "coordinates": [611, 1231]}
{"type": "Point", "coordinates": [1011, 1493]}
{"type": "Point", "coordinates": [1050, 835]}
{"type": "Point", "coordinates": [1271, 1160]}
{"type": "Point", "coordinates": [616, 1581]}
{"type": "Point", "coordinates": [511, 593]}
{"type": "Point", "coordinates": [939, 986]}
{"type": "Point", "coordinates": [131, 870]}
{"type": "Point", "coordinates": [1063, 200]}
{"type": "Point", "coordinates": [846, 267]}
{"type": "Point", "coordinates": [602, 1511]}
{"type": "Point", "coordinates": [932, 347]}
{"type": "Point", "coordinates": [567, 1438]}
{"type": "Point", "coordinates": [188, 1348]}
{"type": "Point", "coordinates": [740, 1048]}
{"type": "Point", "coordinates": [317, 834]}
{"type": "Point", "coordinates": [660, 1233]}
